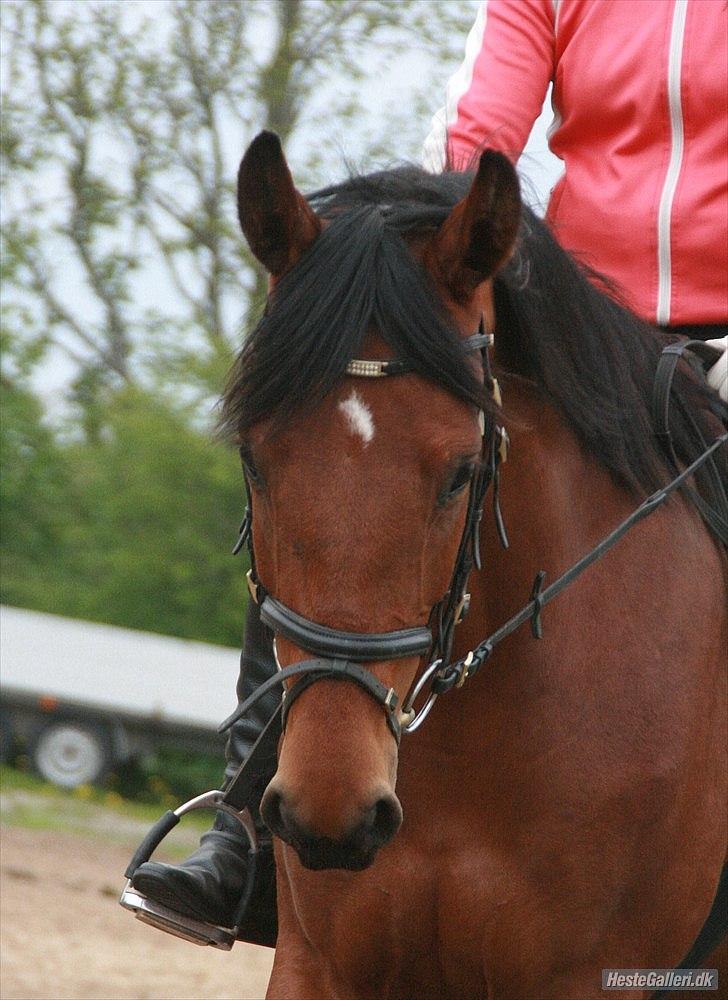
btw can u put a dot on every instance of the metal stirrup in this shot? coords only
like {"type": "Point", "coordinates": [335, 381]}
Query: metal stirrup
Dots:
{"type": "Point", "coordinates": [162, 917]}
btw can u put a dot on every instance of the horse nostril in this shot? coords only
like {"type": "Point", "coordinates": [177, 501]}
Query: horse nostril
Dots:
{"type": "Point", "coordinates": [387, 818]}
{"type": "Point", "coordinates": [270, 810]}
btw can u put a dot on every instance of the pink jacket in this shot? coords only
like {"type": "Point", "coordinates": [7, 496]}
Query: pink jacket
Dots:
{"type": "Point", "coordinates": [640, 120]}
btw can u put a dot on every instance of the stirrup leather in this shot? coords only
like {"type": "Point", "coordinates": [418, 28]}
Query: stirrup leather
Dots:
{"type": "Point", "coordinates": [168, 920]}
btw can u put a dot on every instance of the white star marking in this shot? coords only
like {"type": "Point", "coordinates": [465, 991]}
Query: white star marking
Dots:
{"type": "Point", "coordinates": [358, 416]}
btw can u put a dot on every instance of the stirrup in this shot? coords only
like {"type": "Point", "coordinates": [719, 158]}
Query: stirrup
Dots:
{"type": "Point", "coordinates": [162, 917]}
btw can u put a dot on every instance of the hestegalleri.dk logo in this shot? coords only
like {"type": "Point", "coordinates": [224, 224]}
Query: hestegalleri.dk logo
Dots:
{"type": "Point", "coordinates": [660, 979]}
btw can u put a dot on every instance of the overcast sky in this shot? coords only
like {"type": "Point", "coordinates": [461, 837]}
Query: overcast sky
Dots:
{"type": "Point", "coordinates": [402, 77]}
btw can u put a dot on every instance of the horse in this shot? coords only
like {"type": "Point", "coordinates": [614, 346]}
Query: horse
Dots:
{"type": "Point", "coordinates": [563, 812]}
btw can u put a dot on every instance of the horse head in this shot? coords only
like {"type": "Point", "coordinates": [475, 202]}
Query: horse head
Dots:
{"type": "Point", "coordinates": [359, 485]}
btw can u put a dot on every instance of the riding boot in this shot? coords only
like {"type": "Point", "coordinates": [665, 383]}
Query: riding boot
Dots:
{"type": "Point", "coordinates": [208, 886]}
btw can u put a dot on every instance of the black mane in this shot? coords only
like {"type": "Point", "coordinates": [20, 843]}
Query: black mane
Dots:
{"type": "Point", "coordinates": [593, 359]}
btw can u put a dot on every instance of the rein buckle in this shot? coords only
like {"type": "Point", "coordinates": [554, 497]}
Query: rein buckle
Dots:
{"type": "Point", "coordinates": [252, 585]}
{"type": "Point", "coordinates": [390, 702]}
{"type": "Point", "coordinates": [464, 672]}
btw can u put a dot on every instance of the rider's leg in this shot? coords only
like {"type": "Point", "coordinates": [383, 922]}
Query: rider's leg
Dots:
{"type": "Point", "coordinates": [209, 884]}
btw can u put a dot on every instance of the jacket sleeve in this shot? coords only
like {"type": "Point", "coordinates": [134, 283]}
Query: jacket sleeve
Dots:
{"type": "Point", "coordinates": [498, 92]}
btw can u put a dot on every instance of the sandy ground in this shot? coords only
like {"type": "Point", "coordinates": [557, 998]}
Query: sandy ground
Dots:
{"type": "Point", "coordinates": [63, 934]}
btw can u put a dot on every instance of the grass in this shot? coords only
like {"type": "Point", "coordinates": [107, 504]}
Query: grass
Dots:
{"type": "Point", "coordinates": [28, 801]}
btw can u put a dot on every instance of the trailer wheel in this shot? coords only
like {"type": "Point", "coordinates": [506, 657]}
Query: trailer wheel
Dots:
{"type": "Point", "coordinates": [70, 753]}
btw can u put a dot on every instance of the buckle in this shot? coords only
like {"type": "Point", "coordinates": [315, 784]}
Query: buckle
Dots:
{"type": "Point", "coordinates": [461, 612]}
{"type": "Point", "coordinates": [504, 445]}
{"type": "Point", "coordinates": [252, 585]}
{"type": "Point", "coordinates": [164, 919]}
{"type": "Point", "coordinates": [465, 669]}
{"type": "Point", "coordinates": [390, 701]}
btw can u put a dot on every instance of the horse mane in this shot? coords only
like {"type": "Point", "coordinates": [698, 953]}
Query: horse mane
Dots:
{"type": "Point", "coordinates": [558, 324]}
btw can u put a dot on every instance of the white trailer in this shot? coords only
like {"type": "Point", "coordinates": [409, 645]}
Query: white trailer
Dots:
{"type": "Point", "coordinates": [83, 697]}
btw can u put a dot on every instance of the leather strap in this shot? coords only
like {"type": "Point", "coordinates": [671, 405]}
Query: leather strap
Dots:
{"type": "Point", "coordinates": [347, 671]}
{"type": "Point", "coordinates": [324, 641]}
{"type": "Point", "coordinates": [328, 669]}
{"type": "Point", "coordinates": [239, 791]}
{"type": "Point", "coordinates": [454, 674]}
{"type": "Point", "coordinates": [664, 376]}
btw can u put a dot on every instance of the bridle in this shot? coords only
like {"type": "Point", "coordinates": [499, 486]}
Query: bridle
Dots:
{"type": "Point", "coordinates": [340, 654]}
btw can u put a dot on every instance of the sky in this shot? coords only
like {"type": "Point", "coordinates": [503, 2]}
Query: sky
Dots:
{"type": "Point", "coordinates": [538, 167]}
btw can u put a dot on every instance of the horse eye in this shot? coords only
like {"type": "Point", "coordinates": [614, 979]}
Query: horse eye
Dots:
{"type": "Point", "coordinates": [458, 482]}
{"type": "Point", "coordinates": [249, 468]}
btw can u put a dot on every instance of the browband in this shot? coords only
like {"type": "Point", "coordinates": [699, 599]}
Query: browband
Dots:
{"type": "Point", "coordinates": [400, 366]}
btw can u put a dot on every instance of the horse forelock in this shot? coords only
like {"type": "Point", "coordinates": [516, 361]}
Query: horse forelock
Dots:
{"type": "Point", "coordinates": [359, 277]}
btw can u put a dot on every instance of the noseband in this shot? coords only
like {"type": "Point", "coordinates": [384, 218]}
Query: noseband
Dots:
{"type": "Point", "coordinates": [341, 653]}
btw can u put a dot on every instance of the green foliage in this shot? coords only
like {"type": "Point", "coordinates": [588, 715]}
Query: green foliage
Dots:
{"type": "Point", "coordinates": [133, 528]}
{"type": "Point", "coordinates": [35, 494]}
{"type": "Point", "coordinates": [122, 128]}
{"type": "Point", "coordinates": [168, 778]}
{"type": "Point", "coordinates": [160, 505]}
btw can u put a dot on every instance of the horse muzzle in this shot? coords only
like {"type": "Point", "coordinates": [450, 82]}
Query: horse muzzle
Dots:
{"type": "Point", "coordinates": [354, 850]}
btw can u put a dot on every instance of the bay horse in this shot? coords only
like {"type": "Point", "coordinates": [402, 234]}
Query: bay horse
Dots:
{"type": "Point", "coordinates": [564, 812]}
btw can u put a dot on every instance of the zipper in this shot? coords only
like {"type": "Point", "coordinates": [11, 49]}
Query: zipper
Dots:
{"type": "Point", "coordinates": [664, 216]}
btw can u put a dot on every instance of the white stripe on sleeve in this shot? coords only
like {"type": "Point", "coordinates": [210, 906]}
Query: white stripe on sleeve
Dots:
{"type": "Point", "coordinates": [435, 147]}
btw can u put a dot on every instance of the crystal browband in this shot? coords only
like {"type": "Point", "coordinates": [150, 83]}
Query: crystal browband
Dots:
{"type": "Point", "coordinates": [378, 369]}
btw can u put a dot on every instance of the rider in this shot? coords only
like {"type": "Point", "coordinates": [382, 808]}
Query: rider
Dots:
{"type": "Point", "coordinates": [642, 201]}
{"type": "Point", "coordinates": [638, 97]}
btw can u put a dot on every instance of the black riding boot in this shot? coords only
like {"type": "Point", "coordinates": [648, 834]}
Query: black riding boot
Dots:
{"type": "Point", "coordinates": [208, 886]}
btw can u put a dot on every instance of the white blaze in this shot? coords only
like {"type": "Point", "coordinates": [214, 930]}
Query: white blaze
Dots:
{"type": "Point", "coordinates": [358, 416]}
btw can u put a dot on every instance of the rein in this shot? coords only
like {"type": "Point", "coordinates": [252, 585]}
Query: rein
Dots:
{"type": "Point", "coordinates": [459, 672]}
{"type": "Point", "coordinates": [341, 652]}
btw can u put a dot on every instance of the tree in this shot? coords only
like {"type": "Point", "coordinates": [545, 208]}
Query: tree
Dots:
{"type": "Point", "coordinates": [134, 528]}
{"type": "Point", "coordinates": [123, 127]}
{"type": "Point", "coordinates": [122, 135]}
{"type": "Point", "coordinates": [35, 497]}
{"type": "Point", "coordinates": [158, 504]}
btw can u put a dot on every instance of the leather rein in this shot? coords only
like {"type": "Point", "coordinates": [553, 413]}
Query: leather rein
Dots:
{"type": "Point", "coordinates": [339, 654]}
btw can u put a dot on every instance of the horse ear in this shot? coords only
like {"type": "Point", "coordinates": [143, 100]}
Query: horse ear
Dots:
{"type": "Point", "coordinates": [276, 220]}
{"type": "Point", "coordinates": [479, 234]}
